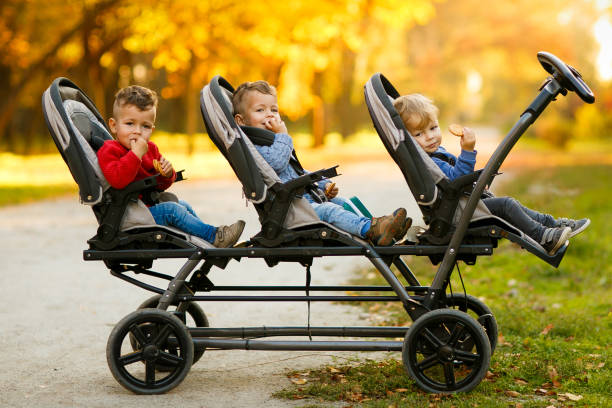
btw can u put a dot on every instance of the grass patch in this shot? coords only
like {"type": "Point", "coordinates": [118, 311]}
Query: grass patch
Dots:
{"type": "Point", "coordinates": [10, 195]}
{"type": "Point", "coordinates": [555, 324]}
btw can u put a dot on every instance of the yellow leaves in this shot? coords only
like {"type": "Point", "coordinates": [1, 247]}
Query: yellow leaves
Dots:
{"type": "Point", "coordinates": [71, 52]}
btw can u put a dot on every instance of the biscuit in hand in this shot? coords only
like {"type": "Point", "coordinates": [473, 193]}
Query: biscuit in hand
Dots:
{"type": "Point", "coordinates": [158, 168]}
{"type": "Point", "coordinates": [456, 129]}
{"type": "Point", "coordinates": [328, 189]}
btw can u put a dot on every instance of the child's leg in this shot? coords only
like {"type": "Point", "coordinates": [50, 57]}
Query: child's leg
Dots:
{"type": "Point", "coordinates": [512, 211]}
{"type": "Point", "coordinates": [545, 219]}
{"type": "Point", "coordinates": [171, 213]}
{"type": "Point", "coordinates": [341, 218]}
{"type": "Point", "coordinates": [188, 207]}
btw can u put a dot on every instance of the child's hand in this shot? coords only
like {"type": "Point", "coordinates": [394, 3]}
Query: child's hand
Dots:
{"type": "Point", "coordinates": [276, 125]}
{"type": "Point", "coordinates": [467, 135]}
{"type": "Point", "coordinates": [331, 190]}
{"type": "Point", "coordinates": [139, 146]}
{"type": "Point", "coordinates": [166, 167]}
{"type": "Point", "coordinates": [468, 140]}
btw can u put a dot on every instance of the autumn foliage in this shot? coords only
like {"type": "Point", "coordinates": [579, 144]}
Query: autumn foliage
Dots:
{"type": "Point", "coordinates": [477, 62]}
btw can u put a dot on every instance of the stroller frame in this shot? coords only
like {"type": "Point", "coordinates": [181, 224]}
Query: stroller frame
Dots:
{"type": "Point", "coordinates": [443, 337]}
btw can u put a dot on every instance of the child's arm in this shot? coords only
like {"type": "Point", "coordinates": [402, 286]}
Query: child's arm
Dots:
{"type": "Point", "coordinates": [278, 153]}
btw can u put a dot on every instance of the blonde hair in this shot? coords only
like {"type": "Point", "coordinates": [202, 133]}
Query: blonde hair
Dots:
{"type": "Point", "coordinates": [242, 90]}
{"type": "Point", "coordinates": [139, 96]}
{"type": "Point", "coordinates": [416, 110]}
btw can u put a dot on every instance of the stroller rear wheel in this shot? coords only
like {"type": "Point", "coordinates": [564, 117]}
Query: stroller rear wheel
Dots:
{"type": "Point", "coordinates": [153, 330]}
{"type": "Point", "coordinates": [193, 316]}
{"type": "Point", "coordinates": [478, 310]}
{"type": "Point", "coordinates": [446, 351]}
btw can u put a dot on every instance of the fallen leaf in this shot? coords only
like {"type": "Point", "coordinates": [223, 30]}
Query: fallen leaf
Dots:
{"type": "Point", "coordinates": [401, 390]}
{"type": "Point", "coordinates": [502, 342]}
{"type": "Point", "coordinates": [333, 369]}
{"type": "Point", "coordinates": [541, 391]}
{"type": "Point", "coordinates": [520, 381]}
{"type": "Point", "coordinates": [571, 397]}
{"type": "Point", "coordinates": [513, 394]}
{"type": "Point", "coordinates": [547, 329]}
{"type": "Point", "coordinates": [299, 381]}
{"type": "Point", "coordinates": [554, 376]}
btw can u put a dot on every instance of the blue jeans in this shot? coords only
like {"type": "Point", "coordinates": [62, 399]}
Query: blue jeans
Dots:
{"type": "Point", "coordinates": [527, 220]}
{"type": "Point", "coordinates": [332, 212]}
{"type": "Point", "coordinates": [183, 217]}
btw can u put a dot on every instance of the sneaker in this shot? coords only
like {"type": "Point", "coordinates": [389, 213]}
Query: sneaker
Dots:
{"type": "Point", "coordinates": [385, 229]}
{"type": "Point", "coordinates": [554, 238]}
{"type": "Point", "coordinates": [577, 226]}
{"type": "Point", "coordinates": [227, 235]}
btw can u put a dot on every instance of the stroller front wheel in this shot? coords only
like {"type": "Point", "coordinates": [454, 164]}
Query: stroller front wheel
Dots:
{"type": "Point", "coordinates": [446, 351]}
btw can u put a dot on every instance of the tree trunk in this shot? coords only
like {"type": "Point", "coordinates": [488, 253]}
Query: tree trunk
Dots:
{"type": "Point", "coordinates": [318, 112]}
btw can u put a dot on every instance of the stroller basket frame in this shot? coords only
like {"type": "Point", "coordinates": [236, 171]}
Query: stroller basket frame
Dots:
{"type": "Point", "coordinates": [150, 351]}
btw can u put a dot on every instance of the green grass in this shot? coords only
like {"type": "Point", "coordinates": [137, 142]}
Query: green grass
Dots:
{"type": "Point", "coordinates": [555, 324]}
{"type": "Point", "coordinates": [11, 195]}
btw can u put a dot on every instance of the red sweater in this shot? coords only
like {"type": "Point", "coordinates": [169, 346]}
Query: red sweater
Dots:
{"type": "Point", "coordinates": [121, 166]}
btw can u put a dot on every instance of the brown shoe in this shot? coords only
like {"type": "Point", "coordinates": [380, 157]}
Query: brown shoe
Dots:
{"type": "Point", "coordinates": [404, 230]}
{"type": "Point", "coordinates": [227, 235]}
{"type": "Point", "coordinates": [384, 229]}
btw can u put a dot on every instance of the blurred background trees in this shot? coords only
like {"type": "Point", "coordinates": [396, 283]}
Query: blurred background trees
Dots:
{"type": "Point", "coordinates": [476, 60]}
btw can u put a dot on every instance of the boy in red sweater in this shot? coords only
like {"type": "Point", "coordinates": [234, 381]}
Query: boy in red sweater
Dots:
{"type": "Point", "coordinates": [131, 157]}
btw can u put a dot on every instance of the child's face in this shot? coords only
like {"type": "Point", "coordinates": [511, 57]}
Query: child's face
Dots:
{"type": "Point", "coordinates": [428, 137]}
{"type": "Point", "coordinates": [131, 123]}
{"type": "Point", "coordinates": [259, 109]}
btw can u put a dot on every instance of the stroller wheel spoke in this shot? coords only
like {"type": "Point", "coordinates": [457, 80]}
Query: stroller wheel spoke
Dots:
{"type": "Point", "coordinates": [150, 372]}
{"type": "Point", "coordinates": [131, 358]}
{"type": "Point", "coordinates": [170, 359]}
{"type": "Point", "coordinates": [140, 336]}
{"type": "Point", "coordinates": [449, 374]}
{"type": "Point", "coordinates": [456, 334]}
{"type": "Point", "coordinates": [466, 356]}
{"type": "Point", "coordinates": [431, 338]}
{"type": "Point", "coordinates": [428, 362]}
{"type": "Point", "coordinates": [162, 336]}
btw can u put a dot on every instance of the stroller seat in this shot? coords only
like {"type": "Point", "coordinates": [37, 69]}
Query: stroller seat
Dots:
{"type": "Point", "coordinates": [124, 221]}
{"type": "Point", "coordinates": [287, 219]}
{"type": "Point", "coordinates": [440, 200]}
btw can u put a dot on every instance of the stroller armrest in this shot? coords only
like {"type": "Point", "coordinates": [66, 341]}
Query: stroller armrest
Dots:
{"type": "Point", "coordinates": [310, 178]}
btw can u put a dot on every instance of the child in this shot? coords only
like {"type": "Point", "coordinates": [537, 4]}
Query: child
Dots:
{"type": "Point", "coordinates": [420, 116]}
{"type": "Point", "coordinates": [131, 157]}
{"type": "Point", "coordinates": [255, 105]}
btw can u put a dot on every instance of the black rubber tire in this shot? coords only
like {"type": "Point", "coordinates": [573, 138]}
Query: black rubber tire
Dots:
{"type": "Point", "coordinates": [195, 312]}
{"type": "Point", "coordinates": [433, 349]}
{"type": "Point", "coordinates": [152, 328]}
{"type": "Point", "coordinates": [481, 313]}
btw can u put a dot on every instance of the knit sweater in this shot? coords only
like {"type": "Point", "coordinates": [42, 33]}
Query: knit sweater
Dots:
{"type": "Point", "coordinates": [121, 166]}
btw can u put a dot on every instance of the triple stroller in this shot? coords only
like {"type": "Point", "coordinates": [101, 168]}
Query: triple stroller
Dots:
{"type": "Point", "coordinates": [151, 350]}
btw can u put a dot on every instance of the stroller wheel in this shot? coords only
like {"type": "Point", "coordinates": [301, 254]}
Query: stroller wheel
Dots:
{"type": "Point", "coordinates": [193, 316]}
{"type": "Point", "coordinates": [446, 351]}
{"type": "Point", "coordinates": [479, 311]}
{"type": "Point", "coordinates": [155, 331]}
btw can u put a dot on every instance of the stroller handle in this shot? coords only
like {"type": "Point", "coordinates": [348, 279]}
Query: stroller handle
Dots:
{"type": "Point", "coordinates": [567, 76]}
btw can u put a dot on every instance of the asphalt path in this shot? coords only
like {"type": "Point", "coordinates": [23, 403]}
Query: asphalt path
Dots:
{"type": "Point", "coordinates": [58, 310]}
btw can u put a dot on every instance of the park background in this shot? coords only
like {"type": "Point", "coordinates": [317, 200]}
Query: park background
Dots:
{"type": "Point", "coordinates": [477, 60]}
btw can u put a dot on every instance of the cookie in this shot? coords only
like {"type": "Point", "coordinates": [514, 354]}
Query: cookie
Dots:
{"type": "Point", "coordinates": [456, 129]}
{"type": "Point", "coordinates": [158, 167]}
